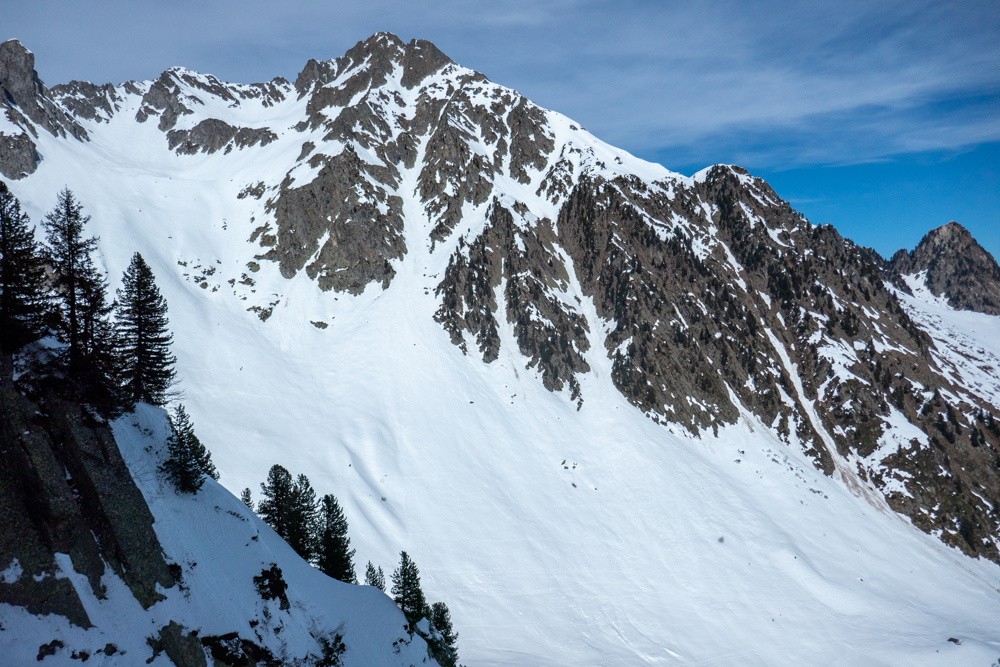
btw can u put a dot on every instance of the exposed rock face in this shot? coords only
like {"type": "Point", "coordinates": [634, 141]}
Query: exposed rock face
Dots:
{"type": "Point", "coordinates": [18, 155]}
{"type": "Point", "coordinates": [26, 103]}
{"type": "Point", "coordinates": [25, 95]}
{"type": "Point", "coordinates": [957, 268]}
{"type": "Point", "coordinates": [65, 489]}
{"type": "Point", "coordinates": [178, 91]}
{"type": "Point", "coordinates": [359, 223]}
{"type": "Point", "coordinates": [211, 135]}
{"type": "Point", "coordinates": [520, 255]}
{"type": "Point", "coordinates": [88, 101]}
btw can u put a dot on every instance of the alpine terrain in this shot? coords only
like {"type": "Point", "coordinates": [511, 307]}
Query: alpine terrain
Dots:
{"type": "Point", "coordinates": [619, 415]}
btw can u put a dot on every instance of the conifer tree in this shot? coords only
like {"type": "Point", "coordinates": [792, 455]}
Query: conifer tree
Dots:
{"type": "Point", "coordinates": [303, 529]}
{"type": "Point", "coordinates": [144, 339]}
{"type": "Point", "coordinates": [247, 498]}
{"type": "Point", "coordinates": [188, 461]}
{"type": "Point", "coordinates": [334, 557]}
{"type": "Point", "coordinates": [70, 256]}
{"type": "Point", "coordinates": [444, 646]}
{"type": "Point", "coordinates": [375, 577]}
{"type": "Point", "coordinates": [83, 310]}
{"type": "Point", "coordinates": [275, 503]}
{"type": "Point", "coordinates": [406, 590]}
{"type": "Point", "coordinates": [289, 507]}
{"type": "Point", "coordinates": [23, 299]}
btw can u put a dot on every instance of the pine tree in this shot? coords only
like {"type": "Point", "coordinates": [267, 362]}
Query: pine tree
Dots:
{"type": "Point", "coordinates": [23, 299]}
{"type": "Point", "coordinates": [247, 498]}
{"type": "Point", "coordinates": [334, 557]}
{"type": "Point", "coordinates": [375, 577]}
{"type": "Point", "coordinates": [144, 340]}
{"type": "Point", "coordinates": [406, 590]}
{"type": "Point", "coordinates": [189, 461]}
{"type": "Point", "coordinates": [444, 647]}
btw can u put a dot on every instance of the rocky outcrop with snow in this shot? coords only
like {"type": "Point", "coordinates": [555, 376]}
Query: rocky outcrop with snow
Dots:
{"type": "Point", "coordinates": [104, 559]}
{"type": "Point", "coordinates": [954, 266]}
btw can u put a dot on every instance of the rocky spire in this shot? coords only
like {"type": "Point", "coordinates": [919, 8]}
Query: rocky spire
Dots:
{"type": "Point", "coordinates": [957, 267]}
{"type": "Point", "coordinates": [25, 95]}
{"type": "Point", "coordinates": [26, 103]}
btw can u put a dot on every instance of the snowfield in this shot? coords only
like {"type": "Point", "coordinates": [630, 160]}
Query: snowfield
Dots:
{"type": "Point", "coordinates": [556, 535]}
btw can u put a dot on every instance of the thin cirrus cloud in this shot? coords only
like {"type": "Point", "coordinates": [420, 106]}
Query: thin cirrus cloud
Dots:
{"type": "Point", "coordinates": [765, 84]}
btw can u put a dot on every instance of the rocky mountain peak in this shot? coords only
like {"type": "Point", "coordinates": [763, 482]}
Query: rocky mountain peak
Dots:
{"type": "Point", "coordinates": [956, 267]}
{"type": "Point", "coordinates": [18, 78]}
{"type": "Point", "coordinates": [377, 56]}
{"type": "Point", "coordinates": [27, 104]}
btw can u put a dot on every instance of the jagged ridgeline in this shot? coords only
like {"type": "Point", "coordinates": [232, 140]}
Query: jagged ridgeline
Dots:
{"type": "Point", "coordinates": [711, 296]}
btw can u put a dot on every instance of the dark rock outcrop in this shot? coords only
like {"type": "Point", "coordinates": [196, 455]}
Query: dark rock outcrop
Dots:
{"type": "Point", "coordinates": [957, 268]}
{"type": "Point", "coordinates": [341, 227]}
{"type": "Point", "coordinates": [212, 135]}
{"type": "Point", "coordinates": [27, 103]}
{"type": "Point", "coordinates": [18, 156]}
{"type": "Point", "coordinates": [65, 489]}
{"type": "Point", "coordinates": [25, 94]}
{"type": "Point", "coordinates": [86, 100]}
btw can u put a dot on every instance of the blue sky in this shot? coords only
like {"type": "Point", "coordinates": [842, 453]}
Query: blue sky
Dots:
{"type": "Point", "coordinates": [882, 118]}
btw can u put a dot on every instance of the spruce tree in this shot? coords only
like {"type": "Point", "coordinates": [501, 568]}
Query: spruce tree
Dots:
{"type": "Point", "coordinates": [406, 590]}
{"type": "Point", "coordinates": [83, 321]}
{"type": "Point", "coordinates": [289, 507]}
{"type": "Point", "coordinates": [375, 577]}
{"type": "Point", "coordinates": [188, 461]}
{"type": "Point", "coordinates": [247, 497]}
{"type": "Point", "coordinates": [74, 272]}
{"type": "Point", "coordinates": [303, 529]}
{"type": "Point", "coordinates": [23, 299]}
{"type": "Point", "coordinates": [334, 557]}
{"type": "Point", "coordinates": [444, 647]}
{"type": "Point", "coordinates": [275, 503]}
{"type": "Point", "coordinates": [144, 339]}
{"type": "Point", "coordinates": [96, 375]}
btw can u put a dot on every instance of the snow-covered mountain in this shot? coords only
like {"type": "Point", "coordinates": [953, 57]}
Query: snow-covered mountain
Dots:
{"type": "Point", "coordinates": [619, 415]}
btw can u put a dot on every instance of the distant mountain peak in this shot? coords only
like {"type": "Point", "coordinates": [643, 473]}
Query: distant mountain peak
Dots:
{"type": "Point", "coordinates": [957, 268]}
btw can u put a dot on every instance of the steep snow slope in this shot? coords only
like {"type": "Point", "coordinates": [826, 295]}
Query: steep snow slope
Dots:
{"type": "Point", "coordinates": [219, 546]}
{"type": "Point", "coordinates": [558, 533]}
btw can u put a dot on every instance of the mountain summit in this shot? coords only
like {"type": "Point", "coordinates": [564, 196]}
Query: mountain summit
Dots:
{"type": "Point", "coordinates": [615, 408]}
{"type": "Point", "coordinates": [954, 266]}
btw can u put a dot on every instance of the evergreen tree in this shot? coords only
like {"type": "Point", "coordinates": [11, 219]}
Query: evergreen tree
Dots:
{"type": "Point", "coordinates": [146, 363]}
{"type": "Point", "coordinates": [289, 507]}
{"type": "Point", "coordinates": [303, 529]}
{"type": "Point", "coordinates": [275, 503]}
{"type": "Point", "coordinates": [334, 557]}
{"type": "Point", "coordinates": [96, 376]}
{"type": "Point", "coordinates": [247, 498]}
{"type": "Point", "coordinates": [375, 577]}
{"type": "Point", "coordinates": [189, 461]}
{"type": "Point", "coordinates": [444, 646]}
{"type": "Point", "coordinates": [406, 590]}
{"type": "Point", "coordinates": [23, 299]}
{"type": "Point", "coordinates": [83, 311]}
{"type": "Point", "coordinates": [70, 256]}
